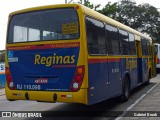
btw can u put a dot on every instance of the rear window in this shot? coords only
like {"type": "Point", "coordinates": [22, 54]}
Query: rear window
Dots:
{"type": "Point", "coordinates": [53, 24]}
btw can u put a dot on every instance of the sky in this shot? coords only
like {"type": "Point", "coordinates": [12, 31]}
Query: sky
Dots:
{"type": "Point", "coordinates": [8, 6]}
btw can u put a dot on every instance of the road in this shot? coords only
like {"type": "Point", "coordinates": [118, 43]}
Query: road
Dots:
{"type": "Point", "coordinates": [100, 109]}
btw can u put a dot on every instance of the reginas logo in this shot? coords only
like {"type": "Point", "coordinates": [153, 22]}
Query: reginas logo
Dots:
{"type": "Point", "coordinates": [55, 59]}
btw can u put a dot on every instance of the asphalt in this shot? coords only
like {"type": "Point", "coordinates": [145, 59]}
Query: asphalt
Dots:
{"type": "Point", "coordinates": [146, 107]}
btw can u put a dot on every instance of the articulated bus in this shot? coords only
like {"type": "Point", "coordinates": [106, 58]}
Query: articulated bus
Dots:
{"type": "Point", "coordinates": [70, 53]}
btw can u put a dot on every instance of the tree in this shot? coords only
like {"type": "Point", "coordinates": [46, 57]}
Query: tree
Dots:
{"type": "Point", "coordinates": [87, 3]}
{"type": "Point", "coordinates": [126, 13]}
{"type": "Point", "coordinates": [109, 10]}
{"type": "Point", "coordinates": [149, 20]}
{"type": "Point", "coordinates": [2, 55]}
{"type": "Point", "coordinates": [143, 17]}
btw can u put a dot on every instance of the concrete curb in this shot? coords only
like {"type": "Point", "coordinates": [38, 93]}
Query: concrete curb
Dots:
{"type": "Point", "coordinates": [2, 91]}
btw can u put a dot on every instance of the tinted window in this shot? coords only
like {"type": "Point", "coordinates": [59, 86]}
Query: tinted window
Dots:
{"type": "Point", "coordinates": [149, 47]}
{"type": "Point", "coordinates": [54, 24]}
{"type": "Point", "coordinates": [132, 44]}
{"type": "Point", "coordinates": [95, 36]}
{"type": "Point", "coordinates": [145, 46]}
{"type": "Point", "coordinates": [112, 39]}
{"type": "Point", "coordinates": [156, 48]}
{"type": "Point", "coordinates": [123, 35]}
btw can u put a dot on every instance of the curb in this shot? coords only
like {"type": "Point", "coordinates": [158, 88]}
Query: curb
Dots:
{"type": "Point", "coordinates": [2, 91]}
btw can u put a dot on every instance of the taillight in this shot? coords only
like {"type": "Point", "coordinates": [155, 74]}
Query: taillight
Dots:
{"type": "Point", "coordinates": [157, 61]}
{"type": "Point", "coordinates": [9, 79]}
{"type": "Point", "coordinates": [78, 78]}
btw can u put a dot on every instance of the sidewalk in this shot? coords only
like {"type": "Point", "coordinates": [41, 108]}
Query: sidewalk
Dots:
{"type": "Point", "coordinates": [2, 91]}
{"type": "Point", "coordinates": [147, 107]}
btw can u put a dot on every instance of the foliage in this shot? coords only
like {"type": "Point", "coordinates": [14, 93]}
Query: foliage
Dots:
{"type": "Point", "coordinates": [89, 4]}
{"type": "Point", "coordinates": [109, 10]}
{"type": "Point", "coordinates": [2, 55]}
{"type": "Point", "coordinates": [143, 17]}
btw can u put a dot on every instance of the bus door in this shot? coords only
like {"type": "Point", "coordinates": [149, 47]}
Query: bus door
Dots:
{"type": "Point", "coordinates": [154, 54]}
{"type": "Point", "coordinates": [139, 62]}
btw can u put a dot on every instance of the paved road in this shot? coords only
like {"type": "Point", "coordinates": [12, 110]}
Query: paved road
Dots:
{"type": "Point", "coordinates": [144, 98]}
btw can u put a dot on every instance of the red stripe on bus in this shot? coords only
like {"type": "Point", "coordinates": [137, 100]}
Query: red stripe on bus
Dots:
{"type": "Point", "coordinates": [92, 61]}
{"type": "Point", "coordinates": [44, 46]}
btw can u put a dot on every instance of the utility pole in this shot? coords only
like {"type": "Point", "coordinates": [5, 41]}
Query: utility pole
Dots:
{"type": "Point", "coordinates": [65, 1]}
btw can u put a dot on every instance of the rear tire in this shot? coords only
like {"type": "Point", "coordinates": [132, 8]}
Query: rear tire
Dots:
{"type": "Point", "coordinates": [125, 90]}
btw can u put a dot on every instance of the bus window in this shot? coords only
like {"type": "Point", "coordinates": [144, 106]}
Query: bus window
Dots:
{"type": "Point", "coordinates": [123, 35]}
{"type": "Point", "coordinates": [144, 46]}
{"type": "Point", "coordinates": [132, 44]}
{"type": "Point", "coordinates": [156, 49]}
{"type": "Point", "coordinates": [20, 34]}
{"type": "Point", "coordinates": [39, 25]}
{"type": "Point", "coordinates": [34, 34]}
{"type": "Point", "coordinates": [112, 39]}
{"type": "Point", "coordinates": [95, 37]}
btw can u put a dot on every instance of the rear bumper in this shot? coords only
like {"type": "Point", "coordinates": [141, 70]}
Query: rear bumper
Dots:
{"type": "Point", "coordinates": [48, 96]}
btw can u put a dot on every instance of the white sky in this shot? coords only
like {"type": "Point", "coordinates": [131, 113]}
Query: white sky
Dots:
{"type": "Point", "coordinates": [7, 6]}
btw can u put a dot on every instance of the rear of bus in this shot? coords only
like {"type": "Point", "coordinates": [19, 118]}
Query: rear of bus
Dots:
{"type": "Point", "coordinates": [46, 58]}
{"type": "Point", "coordinates": [157, 49]}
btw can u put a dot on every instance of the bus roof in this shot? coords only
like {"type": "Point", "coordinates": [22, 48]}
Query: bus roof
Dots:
{"type": "Point", "coordinates": [89, 12]}
{"type": "Point", "coordinates": [115, 23]}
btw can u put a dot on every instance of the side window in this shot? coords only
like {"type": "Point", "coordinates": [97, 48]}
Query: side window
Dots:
{"type": "Point", "coordinates": [148, 47]}
{"type": "Point", "coordinates": [123, 35]}
{"type": "Point", "coordinates": [156, 49]}
{"type": "Point", "coordinates": [112, 39]}
{"type": "Point", "coordinates": [144, 46]}
{"type": "Point", "coordinates": [95, 37]}
{"type": "Point", "coordinates": [132, 44]}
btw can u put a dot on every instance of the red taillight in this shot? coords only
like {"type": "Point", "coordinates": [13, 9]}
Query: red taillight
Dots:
{"type": "Point", "coordinates": [78, 78]}
{"type": "Point", "coordinates": [7, 71]}
{"type": "Point", "coordinates": [9, 79]}
{"type": "Point", "coordinates": [157, 60]}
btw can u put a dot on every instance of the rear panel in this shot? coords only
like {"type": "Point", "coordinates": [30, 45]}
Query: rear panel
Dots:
{"type": "Point", "coordinates": [36, 68]}
{"type": "Point", "coordinates": [45, 55]}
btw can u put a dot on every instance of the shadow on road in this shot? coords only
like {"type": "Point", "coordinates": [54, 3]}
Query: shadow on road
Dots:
{"type": "Point", "coordinates": [102, 109]}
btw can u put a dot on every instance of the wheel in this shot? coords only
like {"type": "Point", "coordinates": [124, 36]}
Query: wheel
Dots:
{"type": "Point", "coordinates": [125, 90]}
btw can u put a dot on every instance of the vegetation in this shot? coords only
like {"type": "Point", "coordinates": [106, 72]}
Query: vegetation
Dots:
{"type": "Point", "coordinates": [2, 55]}
{"type": "Point", "coordinates": [143, 17]}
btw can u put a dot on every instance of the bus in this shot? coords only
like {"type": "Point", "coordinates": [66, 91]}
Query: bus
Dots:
{"type": "Point", "coordinates": [157, 47]}
{"type": "Point", "coordinates": [70, 53]}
